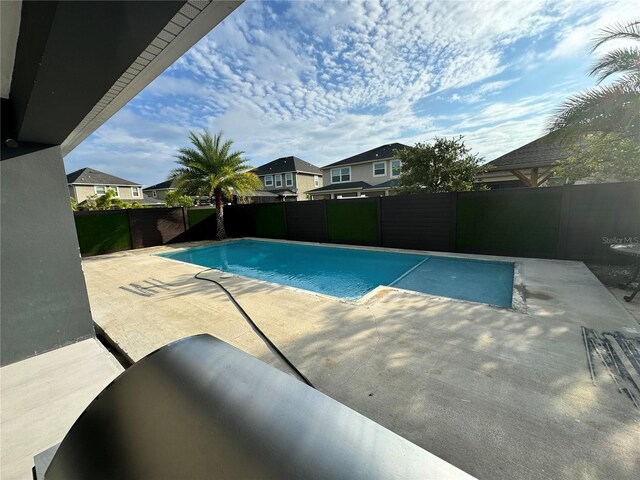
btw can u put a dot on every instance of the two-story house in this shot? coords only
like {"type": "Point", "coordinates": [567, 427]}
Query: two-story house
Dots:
{"type": "Point", "coordinates": [88, 182]}
{"type": "Point", "coordinates": [371, 173]}
{"type": "Point", "coordinates": [291, 178]}
{"type": "Point", "coordinates": [160, 190]}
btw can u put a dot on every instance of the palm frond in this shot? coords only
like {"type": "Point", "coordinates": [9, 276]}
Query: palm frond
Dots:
{"type": "Point", "coordinates": [614, 108]}
{"type": "Point", "coordinates": [620, 60]}
{"type": "Point", "coordinates": [620, 30]}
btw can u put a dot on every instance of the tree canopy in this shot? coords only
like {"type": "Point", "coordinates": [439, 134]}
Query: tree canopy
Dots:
{"type": "Point", "coordinates": [210, 167]}
{"type": "Point", "coordinates": [446, 165]}
{"type": "Point", "coordinates": [602, 125]}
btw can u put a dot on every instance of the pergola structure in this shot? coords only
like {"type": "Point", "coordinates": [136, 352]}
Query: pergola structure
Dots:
{"type": "Point", "coordinates": [67, 67]}
{"type": "Point", "coordinates": [528, 166]}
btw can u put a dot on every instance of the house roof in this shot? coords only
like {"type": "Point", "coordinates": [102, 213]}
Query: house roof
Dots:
{"type": "Point", "coordinates": [341, 186]}
{"type": "Point", "coordinates": [388, 184]}
{"type": "Point", "coordinates": [287, 164]}
{"type": "Point", "coordinates": [91, 176]}
{"type": "Point", "coordinates": [147, 200]}
{"type": "Point", "coordinates": [381, 152]}
{"type": "Point", "coordinates": [542, 152]}
{"type": "Point", "coordinates": [160, 186]}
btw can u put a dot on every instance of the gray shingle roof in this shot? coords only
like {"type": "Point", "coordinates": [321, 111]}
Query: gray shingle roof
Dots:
{"type": "Point", "coordinates": [341, 186]}
{"type": "Point", "coordinates": [541, 152]}
{"type": "Point", "coordinates": [160, 186]}
{"type": "Point", "coordinates": [383, 151]}
{"type": "Point", "coordinates": [91, 176]}
{"type": "Point", "coordinates": [286, 164]}
{"type": "Point", "coordinates": [388, 184]}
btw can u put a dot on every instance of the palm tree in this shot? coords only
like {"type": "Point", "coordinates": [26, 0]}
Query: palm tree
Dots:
{"type": "Point", "coordinates": [210, 166]}
{"type": "Point", "coordinates": [610, 109]}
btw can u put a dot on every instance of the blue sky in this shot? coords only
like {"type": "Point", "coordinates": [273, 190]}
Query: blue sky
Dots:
{"type": "Point", "coordinates": [326, 80]}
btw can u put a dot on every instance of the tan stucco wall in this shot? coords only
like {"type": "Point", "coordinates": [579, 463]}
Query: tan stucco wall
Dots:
{"type": "Point", "coordinates": [161, 194]}
{"type": "Point", "coordinates": [305, 183]}
{"type": "Point", "coordinates": [82, 192]}
{"type": "Point", "coordinates": [362, 172]}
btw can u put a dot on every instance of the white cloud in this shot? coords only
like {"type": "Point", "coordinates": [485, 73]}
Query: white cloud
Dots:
{"type": "Point", "coordinates": [326, 80]}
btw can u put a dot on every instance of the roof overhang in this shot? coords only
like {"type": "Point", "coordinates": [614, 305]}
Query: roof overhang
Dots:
{"type": "Point", "coordinates": [319, 192]}
{"type": "Point", "coordinates": [77, 63]}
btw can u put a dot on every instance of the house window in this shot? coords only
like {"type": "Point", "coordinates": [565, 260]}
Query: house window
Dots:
{"type": "Point", "coordinates": [288, 179]}
{"type": "Point", "coordinates": [135, 191]}
{"type": "Point", "coordinates": [155, 194]}
{"type": "Point", "coordinates": [100, 189]}
{"type": "Point", "coordinates": [316, 181]}
{"type": "Point", "coordinates": [379, 169]}
{"type": "Point", "coordinates": [278, 180]}
{"type": "Point", "coordinates": [340, 175]}
{"type": "Point", "coordinates": [115, 190]}
{"type": "Point", "coordinates": [268, 181]}
{"type": "Point", "coordinates": [395, 168]}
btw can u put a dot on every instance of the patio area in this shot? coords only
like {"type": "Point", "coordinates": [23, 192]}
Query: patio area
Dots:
{"type": "Point", "coordinates": [498, 393]}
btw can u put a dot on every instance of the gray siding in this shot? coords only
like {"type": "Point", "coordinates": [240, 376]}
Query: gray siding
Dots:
{"type": "Point", "coordinates": [44, 298]}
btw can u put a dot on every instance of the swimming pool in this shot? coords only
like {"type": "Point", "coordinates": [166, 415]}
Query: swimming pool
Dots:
{"type": "Point", "coordinates": [350, 273]}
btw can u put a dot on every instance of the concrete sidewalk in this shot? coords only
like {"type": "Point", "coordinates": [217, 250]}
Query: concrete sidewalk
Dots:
{"type": "Point", "coordinates": [42, 397]}
{"type": "Point", "coordinates": [499, 393]}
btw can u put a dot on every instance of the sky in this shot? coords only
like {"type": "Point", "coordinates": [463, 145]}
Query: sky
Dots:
{"type": "Point", "coordinates": [326, 80]}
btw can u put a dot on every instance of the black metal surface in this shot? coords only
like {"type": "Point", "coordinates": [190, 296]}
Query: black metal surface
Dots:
{"type": "Point", "coordinates": [306, 221]}
{"type": "Point", "coordinates": [423, 222]}
{"type": "Point", "coordinates": [199, 408]}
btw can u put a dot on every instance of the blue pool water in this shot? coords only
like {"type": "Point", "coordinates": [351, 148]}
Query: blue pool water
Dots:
{"type": "Point", "coordinates": [350, 273]}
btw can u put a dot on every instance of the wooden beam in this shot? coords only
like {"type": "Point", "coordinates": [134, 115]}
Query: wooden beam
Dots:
{"type": "Point", "coordinates": [545, 176]}
{"type": "Point", "coordinates": [522, 177]}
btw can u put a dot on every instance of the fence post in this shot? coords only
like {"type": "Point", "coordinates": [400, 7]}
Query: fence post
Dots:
{"type": "Point", "coordinates": [563, 227]}
{"type": "Point", "coordinates": [326, 220]}
{"type": "Point", "coordinates": [379, 216]}
{"type": "Point", "coordinates": [185, 223]}
{"type": "Point", "coordinates": [284, 214]}
{"type": "Point", "coordinates": [130, 229]}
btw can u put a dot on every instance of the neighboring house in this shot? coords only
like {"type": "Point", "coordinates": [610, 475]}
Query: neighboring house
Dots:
{"type": "Point", "coordinates": [160, 190]}
{"type": "Point", "coordinates": [289, 177]}
{"type": "Point", "coordinates": [528, 166]}
{"type": "Point", "coordinates": [88, 182]}
{"type": "Point", "coordinates": [371, 173]}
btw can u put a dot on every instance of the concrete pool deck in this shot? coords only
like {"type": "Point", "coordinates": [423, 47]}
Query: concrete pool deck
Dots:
{"type": "Point", "coordinates": [499, 393]}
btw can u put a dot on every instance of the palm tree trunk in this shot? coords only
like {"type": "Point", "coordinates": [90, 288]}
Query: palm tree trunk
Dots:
{"type": "Point", "coordinates": [221, 233]}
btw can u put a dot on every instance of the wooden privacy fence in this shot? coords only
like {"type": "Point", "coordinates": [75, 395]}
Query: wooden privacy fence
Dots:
{"type": "Point", "coordinates": [573, 222]}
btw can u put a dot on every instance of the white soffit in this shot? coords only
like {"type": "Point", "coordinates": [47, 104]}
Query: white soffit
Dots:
{"type": "Point", "coordinates": [9, 29]}
{"type": "Point", "coordinates": [193, 21]}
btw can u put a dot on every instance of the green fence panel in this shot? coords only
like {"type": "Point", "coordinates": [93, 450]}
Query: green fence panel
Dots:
{"type": "Point", "coordinates": [518, 222]}
{"type": "Point", "coordinates": [197, 215]}
{"type": "Point", "coordinates": [270, 221]}
{"type": "Point", "coordinates": [103, 232]}
{"type": "Point", "coordinates": [353, 221]}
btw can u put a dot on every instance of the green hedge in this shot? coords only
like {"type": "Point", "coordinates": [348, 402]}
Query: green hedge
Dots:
{"type": "Point", "coordinates": [520, 223]}
{"type": "Point", "coordinates": [103, 233]}
{"type": "Point", "coordinates": [197, 215]}
{"type": "Point", "coordinates": [270, 221]}
{"type": "Point", "coordinates": [353, 221]}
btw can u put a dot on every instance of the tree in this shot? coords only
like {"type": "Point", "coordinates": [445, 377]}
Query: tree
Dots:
{"type": "Point", "coordinates": [444, 166]}
{"type": "Point", "coordinates": [600, 158]}
{"type": "Point", "coordinates": [602, 125]}
{"type": "Point", "coordinates": [613, 108]}
{"type": "Point", "coordinates": [211, 166]}
{"type": "Point", "coordinates": [176, 199]}
{"type": "Point", "coordinates": [74, 204]}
